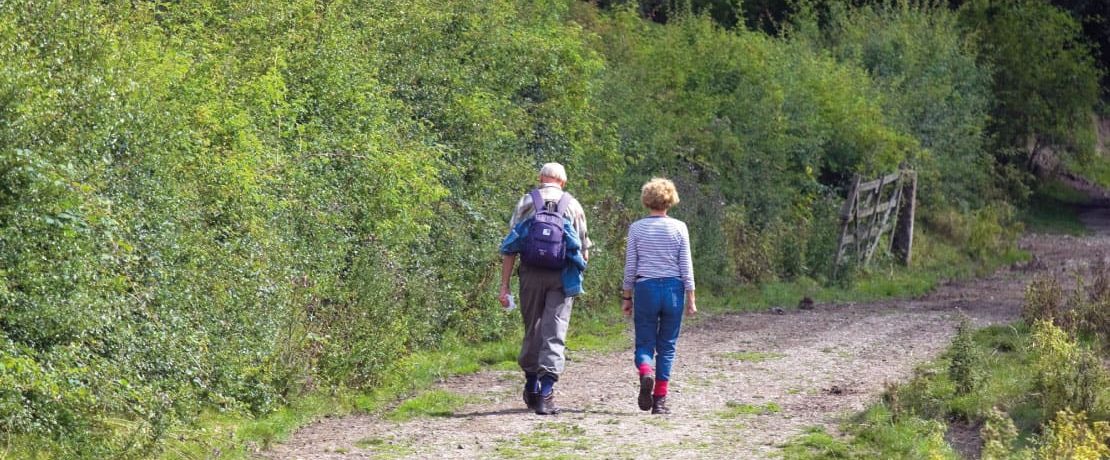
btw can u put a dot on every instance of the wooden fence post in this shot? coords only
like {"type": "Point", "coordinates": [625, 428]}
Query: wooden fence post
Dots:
{"type": "Point", "coordinates": [847, 212]}
{"type": "Point", "coordinates": [902, 243]}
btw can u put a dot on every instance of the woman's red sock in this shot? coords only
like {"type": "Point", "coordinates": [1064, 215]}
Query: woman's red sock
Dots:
{"type": "Point", "coordinates": [645, 369]}
{"type": "Point", "coordinates": [660, 388]}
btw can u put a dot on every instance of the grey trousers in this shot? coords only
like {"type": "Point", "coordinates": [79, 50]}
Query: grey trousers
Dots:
{"type": "Point", "coordinates": [546, 312]}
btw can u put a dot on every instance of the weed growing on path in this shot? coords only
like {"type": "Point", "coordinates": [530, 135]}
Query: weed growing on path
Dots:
{"type": "Point", "coordinates": [734, 409]}
{"type": "Point", "coordinates": [752, 356]}
{"type": "Point", "coordinates": [551, 440]}
{"type": "Point", "coordinates": [963, 367]}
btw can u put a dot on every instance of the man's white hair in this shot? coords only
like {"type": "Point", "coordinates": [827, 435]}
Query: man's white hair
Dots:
{"type": "Point", "coordinates": [554, 171]}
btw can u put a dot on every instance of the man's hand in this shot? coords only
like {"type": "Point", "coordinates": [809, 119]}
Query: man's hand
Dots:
{"type": "Point", "coordinates": [507, 262]}
{"type": "Point", "coordinates": [626, 307]}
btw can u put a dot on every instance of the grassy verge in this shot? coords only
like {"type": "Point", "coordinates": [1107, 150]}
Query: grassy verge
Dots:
{"type": "Point", "coordinates": [236, 435]}
{"type": "Point", "coordinates": [935, 261]}
{"type": "Point", "coordinates": [912, 419]}
{"type": "Point", "coordinates": [404, 391]}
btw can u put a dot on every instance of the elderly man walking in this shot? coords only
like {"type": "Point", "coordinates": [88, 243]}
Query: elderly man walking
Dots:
{"type": "Point", "coordinates": [545, 301]}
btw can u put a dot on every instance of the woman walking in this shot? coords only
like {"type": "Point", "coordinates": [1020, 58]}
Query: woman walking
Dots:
{"type": "Point", "coordinates": [658, 280]}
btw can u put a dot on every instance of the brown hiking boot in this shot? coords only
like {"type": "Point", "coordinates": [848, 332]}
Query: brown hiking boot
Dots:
{"type": "Point", "coordinates": [531, 399]}
{"type": "Point", "coordinates": [659, 406]}
{"type": "Point", "coordinates": [647, 385]}
{"type": "Point", "coordinates": [545, 405]}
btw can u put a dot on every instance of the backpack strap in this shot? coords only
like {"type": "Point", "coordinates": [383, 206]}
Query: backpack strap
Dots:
{"type": "Point", "coordinates": [564, 201]}
{"type": "Point", "coordinates": [537, 200]}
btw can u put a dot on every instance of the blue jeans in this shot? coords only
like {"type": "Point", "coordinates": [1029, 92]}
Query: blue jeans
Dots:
{"type": "Point", "coordinates": [657, 314]}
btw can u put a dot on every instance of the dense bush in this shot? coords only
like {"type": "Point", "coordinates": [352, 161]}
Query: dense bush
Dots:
{"type": "Point", "coordinates": [1045, 81]}
{"type": "Point", "coordinates": [1069, 435]}
{"type": "Point", "coordinates": [932, 85]}
{"type": "Point", "coordinates": [1091, 309]}
{"type": "Point", "coordinates": [757, 132]}
{"type": "Point", "coordinates": [221, 204]}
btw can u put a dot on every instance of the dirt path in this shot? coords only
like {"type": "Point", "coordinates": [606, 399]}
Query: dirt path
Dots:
{"type": "Point", "coordinates": [743, 383]}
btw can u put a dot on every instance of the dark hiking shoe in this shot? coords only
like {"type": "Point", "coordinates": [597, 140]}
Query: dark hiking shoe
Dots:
{"type": "Point", "coordinates": [531, 399]}
{"type": "Point", "coordinates": [647, 384]}
{"type": "Point", "coordinates": [545, 405]}
{"type": "Point", "coordinates": [659, 406]}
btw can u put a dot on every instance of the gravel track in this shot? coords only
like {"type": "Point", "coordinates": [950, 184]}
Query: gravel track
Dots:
{"type": "Point", "coordinates": [795, 370]}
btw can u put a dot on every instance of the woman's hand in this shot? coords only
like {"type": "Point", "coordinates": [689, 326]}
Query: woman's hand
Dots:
{"type": "Point", "coordinates": [626, 307]}
{"type": "Point", "coordinates": [691, 303]}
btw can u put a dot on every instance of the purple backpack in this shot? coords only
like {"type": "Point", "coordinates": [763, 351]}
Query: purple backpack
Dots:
{"type": "Point", "coordinates": [544, 246]}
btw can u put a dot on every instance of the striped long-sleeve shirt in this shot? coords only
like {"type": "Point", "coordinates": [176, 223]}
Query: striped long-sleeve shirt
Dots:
{"type": "Point", "coordinates": [658, 247]}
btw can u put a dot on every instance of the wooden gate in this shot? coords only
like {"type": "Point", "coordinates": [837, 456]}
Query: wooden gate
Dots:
{"type": "Point", "coordinates": [866, 216]}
